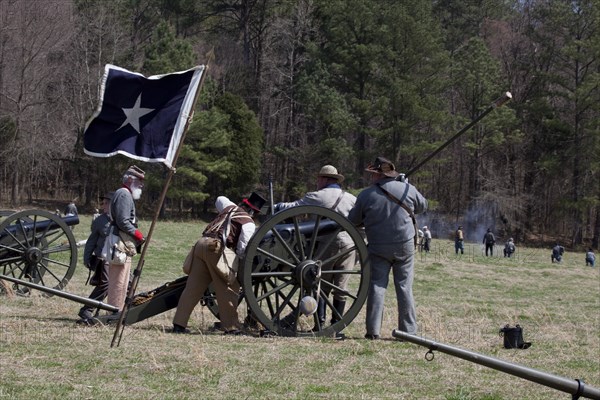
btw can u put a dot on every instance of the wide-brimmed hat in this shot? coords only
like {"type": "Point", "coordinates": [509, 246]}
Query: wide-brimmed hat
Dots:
{"type": "Point", "coordinates": [107, 195]}
{"type": "Point", "coordinates": [383, 166]}
{"type": "Point", "coordinates": [255, 201]}
{"type": "Point", "coordinates": [136, 172]}
{"type": "Point", "coordinates": [330, 171]}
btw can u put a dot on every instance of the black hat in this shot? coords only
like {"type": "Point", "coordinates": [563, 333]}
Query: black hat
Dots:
{"type": "Point", "coordinates": [107, 196]}
{"type": "Point", "coordinates": [255, 201]}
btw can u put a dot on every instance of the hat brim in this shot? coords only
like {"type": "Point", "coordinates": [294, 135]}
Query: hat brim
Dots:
{"type": "Point", "coordinates": [339, 177]}
{"type": "Point", "coordinates": [389, 174]}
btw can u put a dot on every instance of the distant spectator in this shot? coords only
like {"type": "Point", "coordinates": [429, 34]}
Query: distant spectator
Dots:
{"type": "Point", "coordinates": [71, 209]}
{"type": "Point", "coordinates": [489, 240]}
{"type": "Point", "coordinates": [420, 240]}
{"type": "Point", "coordinates": [590, 258]}
{"type": "Point", "coordinates": [509, 248]}
{"type": "Point", "coordinates": [557, 253]}
{"type": "Point", "coordinates": [459, 241]}
{"type": "Point", "coordinates": [427, 242]}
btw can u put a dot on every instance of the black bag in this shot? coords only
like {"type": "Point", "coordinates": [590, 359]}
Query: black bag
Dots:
{"type": "Point", "coordinates": [513, 337]}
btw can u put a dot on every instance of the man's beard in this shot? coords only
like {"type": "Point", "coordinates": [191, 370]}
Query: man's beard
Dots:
{"type": "Point", "coordinates": [136, 193]}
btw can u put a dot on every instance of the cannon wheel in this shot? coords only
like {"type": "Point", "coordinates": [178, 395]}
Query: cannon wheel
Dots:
{"type": "Point", "coordinates": [278, 272]}
{"type": "Point", "coordinates": [46, 256]}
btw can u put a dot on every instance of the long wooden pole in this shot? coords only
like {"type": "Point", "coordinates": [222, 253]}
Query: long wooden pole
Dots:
{"type": "Point", "coordinates": [60, 293]}
{"type": "Point", "coordinates": [116, 340]}
{"type": "Point", "coordinates": [497, 103]}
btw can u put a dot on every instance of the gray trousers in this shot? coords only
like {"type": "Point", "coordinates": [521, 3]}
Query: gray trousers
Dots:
{"type": "Point", "coordinates": [399, 259]}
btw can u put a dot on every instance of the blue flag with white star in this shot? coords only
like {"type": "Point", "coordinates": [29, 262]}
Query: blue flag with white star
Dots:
{"type": "Point", "coordinates": [143, 118]}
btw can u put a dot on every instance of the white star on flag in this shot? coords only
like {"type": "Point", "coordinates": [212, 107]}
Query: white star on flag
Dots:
{"type": "Point", "coordinates": [134, 114]}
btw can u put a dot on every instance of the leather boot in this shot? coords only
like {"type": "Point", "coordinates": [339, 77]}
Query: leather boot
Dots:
{"type": "Point", "coordinates": [339, 306]}
{"type": "Point", "coordinates": [321, 312]}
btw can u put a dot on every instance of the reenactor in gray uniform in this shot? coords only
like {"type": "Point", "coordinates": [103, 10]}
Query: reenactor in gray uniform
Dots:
{"type": "Point", "coordinates": [330, 194]}
{"type": "Point", "coordinates": [122, 210]}
{"type": "Point", "coordinates": [94, 261]}
{"type": "Point", "coordinates": [386, 209]}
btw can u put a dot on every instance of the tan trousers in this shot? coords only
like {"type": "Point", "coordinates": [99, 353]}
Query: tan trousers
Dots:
{"type": "Point", "coordinates": [203, 272]}
{"type": "Point", "coordinates": [344, 262]}
{"type": "Point", "coordinates": [118, 280]}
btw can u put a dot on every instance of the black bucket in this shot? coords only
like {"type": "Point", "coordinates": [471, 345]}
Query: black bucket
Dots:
{"type": "Point", "coordinates": [513, 337]}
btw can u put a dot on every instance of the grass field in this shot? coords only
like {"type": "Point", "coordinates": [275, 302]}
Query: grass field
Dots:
{"type": "Point", "coordinates": [461, 301]}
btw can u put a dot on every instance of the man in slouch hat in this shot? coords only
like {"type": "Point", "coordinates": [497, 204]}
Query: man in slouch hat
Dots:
{"type": "Point", "coordinates": [386, 209]}
{"type": "Point", "coordinates": [329, 194]}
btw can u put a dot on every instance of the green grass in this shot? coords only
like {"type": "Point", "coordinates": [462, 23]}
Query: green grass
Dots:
{"type": "Point", "coordinates": [461, 301]}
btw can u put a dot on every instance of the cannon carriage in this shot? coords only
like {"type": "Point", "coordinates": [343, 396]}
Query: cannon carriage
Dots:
{"type": "Point", "coordinates": [37, 246]}
{"type": "Point", "coordinates": [290, 259]}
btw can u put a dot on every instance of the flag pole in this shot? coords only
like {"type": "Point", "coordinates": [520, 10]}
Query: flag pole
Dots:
{"type": "Point", "coordinates": [118, 334]}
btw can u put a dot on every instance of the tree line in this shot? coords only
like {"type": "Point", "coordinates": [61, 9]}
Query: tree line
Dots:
{"type": "Point", "coordinates": [294, 85]}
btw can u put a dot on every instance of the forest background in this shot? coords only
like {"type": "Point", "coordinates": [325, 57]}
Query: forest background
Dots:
{"type": "Point", "coordinates": [294, 85]}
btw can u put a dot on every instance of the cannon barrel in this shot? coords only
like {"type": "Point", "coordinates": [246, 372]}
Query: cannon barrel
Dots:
{"type": "Point", "coordinates": [45, 225]}
{"type": "Point", "coordinates": [69, 296]}
{"type": "Point", "coordinates": [572, 386]}
{"type": "Point", "coordinates": [326, 226]}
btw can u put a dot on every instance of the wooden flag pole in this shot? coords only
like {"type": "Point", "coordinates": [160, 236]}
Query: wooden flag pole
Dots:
{"type": "Point", "coordinates": [116, 340]}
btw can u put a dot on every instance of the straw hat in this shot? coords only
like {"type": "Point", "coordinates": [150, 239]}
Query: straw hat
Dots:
{"type": "Point", "coordinates": [329, 171]}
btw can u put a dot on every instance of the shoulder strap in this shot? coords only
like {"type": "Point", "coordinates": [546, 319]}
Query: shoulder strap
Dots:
{"type": "Point", "coordinates": [226, 228]}
{"type": "Point", "coordinates": [338, 200]}
{"type": "Point", "coordinates": [401, 204]}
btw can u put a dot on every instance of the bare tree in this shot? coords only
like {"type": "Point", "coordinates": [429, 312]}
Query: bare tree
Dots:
{"type": "Point", "coordinates": [33, 35]}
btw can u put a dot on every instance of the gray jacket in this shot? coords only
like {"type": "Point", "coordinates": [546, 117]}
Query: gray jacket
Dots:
{"type": "Point", "coordinates": [122, 210]}
{"type": "Point", "coordinates": [386, 223]}
{"type": "Point", "coordinates": [95, 241]}
{"type": "Point", "coordinates": [326, 197]}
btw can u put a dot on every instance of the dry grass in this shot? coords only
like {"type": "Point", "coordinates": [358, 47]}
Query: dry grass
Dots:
{"type": "Point", "coordinates": [460, 301]}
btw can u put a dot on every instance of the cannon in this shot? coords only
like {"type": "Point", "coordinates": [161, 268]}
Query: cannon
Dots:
{"type": "Point", "coordinates": [288, 258]}
{"type": "Point", "coordinates": [37, 246]}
